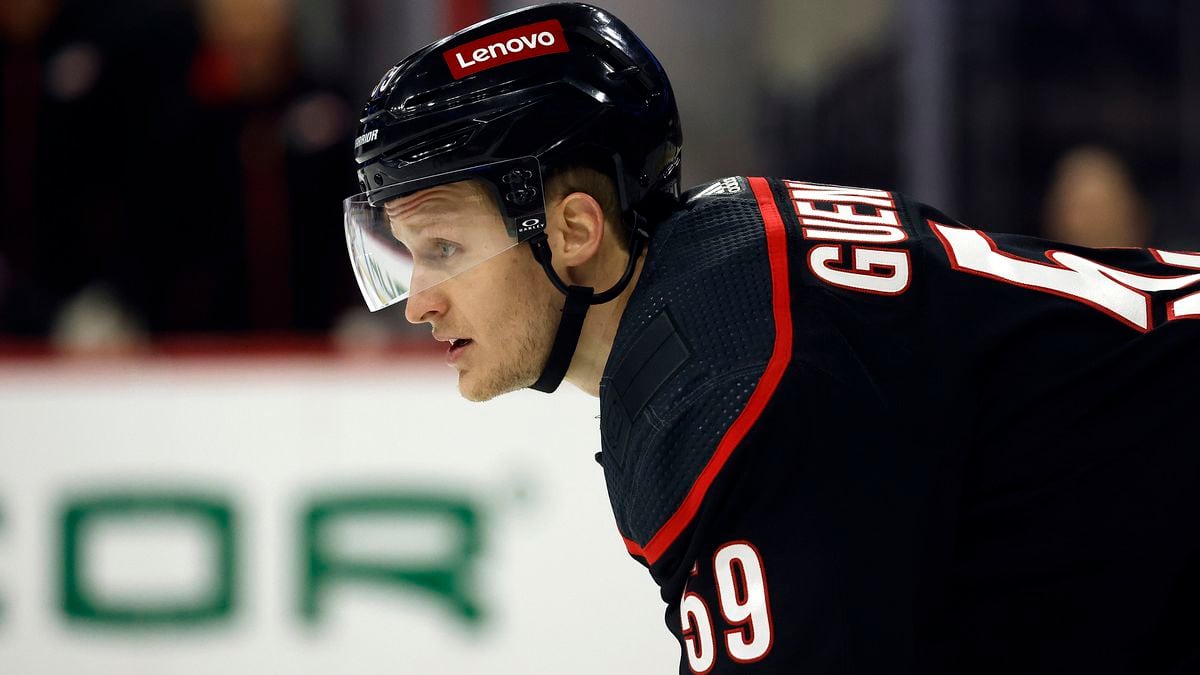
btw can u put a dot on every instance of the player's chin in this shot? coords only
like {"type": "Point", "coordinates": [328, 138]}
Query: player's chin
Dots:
{"type": "Point", "coordinates": [477, 386]}
{"type": "Point", "coordinates": [473, 387]}
{"type": "Point", "coordinates": [475, 395]}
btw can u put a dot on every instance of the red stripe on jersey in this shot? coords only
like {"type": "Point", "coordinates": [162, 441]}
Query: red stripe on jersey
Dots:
{"type": "Point", "coordinates": [633, 548]}
{"type": "Point", "coordinates": [781, 355]}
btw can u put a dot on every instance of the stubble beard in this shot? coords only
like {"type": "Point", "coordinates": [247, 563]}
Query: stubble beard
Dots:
{"type": "Point", "coordinates": [532, 326]}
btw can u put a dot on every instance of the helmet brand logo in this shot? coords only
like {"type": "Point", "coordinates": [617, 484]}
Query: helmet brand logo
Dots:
{"type": "Point", "coordinates": [366, 138]}
{"type": "Point", "coordinates": [526, 42]}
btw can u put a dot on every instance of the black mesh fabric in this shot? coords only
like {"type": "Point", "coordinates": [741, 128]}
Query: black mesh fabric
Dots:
{"type": "Point", "coordinates": [707, 267]}
{"type": "Point", "coordinates": [973, 473]}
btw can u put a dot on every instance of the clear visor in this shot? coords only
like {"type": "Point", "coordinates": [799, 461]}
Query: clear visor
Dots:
{"type": "Point", "coordinates": [405, 245]}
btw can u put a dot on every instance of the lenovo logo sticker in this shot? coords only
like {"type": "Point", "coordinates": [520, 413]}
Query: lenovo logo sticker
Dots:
{"type": "Point", "coordinates": [526, 42]}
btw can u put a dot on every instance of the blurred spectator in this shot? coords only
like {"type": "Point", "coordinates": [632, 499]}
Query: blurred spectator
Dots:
{"type": "Point", "coordinates": [47, 69]}
{"type": "Point", "coordinates": [95, 322]}
{"type": "Point", "coordinates": [168, 163]}
{"type": "Point", "coordinates": [1092, 201]}
{"type": "Point", "coordinates": [1030, 79]}
{"type": "Point", "coordinates": [1037, 78]}
{"type": "Point", "coordinates": [830, 112]}
{"type": "Point", "coordinates": [79, 84]}
{"type": "Point", "coordinates": [257, 163]}
{"type": "Point", "coordinates": [843, 132]}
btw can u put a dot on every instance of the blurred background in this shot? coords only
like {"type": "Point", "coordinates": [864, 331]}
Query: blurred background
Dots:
{"type": "Point", "coordinates": [173, 281]}
{"type": "Point", "coordinates": [174, 167]}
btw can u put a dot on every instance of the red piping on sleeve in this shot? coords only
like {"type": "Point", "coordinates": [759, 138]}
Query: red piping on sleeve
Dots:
{"type": "Point", "coordinates": [633, 548]}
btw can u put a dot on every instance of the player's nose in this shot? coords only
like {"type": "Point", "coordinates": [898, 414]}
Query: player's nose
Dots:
{"type": "Point", "coordinates": [424, 306]}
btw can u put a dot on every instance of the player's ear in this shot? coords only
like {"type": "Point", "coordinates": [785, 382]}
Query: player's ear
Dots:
{"type": "Point", "coordinates": [580, 229]}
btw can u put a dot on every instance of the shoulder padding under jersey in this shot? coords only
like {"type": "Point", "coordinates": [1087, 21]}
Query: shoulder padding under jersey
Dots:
{"type": "Point", "coordinates": [693, 343]}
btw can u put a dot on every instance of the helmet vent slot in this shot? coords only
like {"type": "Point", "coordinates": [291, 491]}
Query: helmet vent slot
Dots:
{"type": "Point", "coordinates": [415, 152]}
{"type": "Point", "coordinates": [460, 93]}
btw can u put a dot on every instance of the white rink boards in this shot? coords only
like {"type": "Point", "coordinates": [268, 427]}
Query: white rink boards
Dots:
{"type": "Point", "coordinates": [307, 515]}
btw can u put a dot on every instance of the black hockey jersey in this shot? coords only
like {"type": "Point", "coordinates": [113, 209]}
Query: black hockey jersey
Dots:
{"type": "Point", "coordinates": [847, 434]}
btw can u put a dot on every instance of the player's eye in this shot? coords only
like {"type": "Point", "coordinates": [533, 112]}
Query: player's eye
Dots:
{"type": "Point", "coordinates": [438, 252]}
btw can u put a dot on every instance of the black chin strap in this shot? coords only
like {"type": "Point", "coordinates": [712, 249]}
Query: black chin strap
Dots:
{"type": "Point", "coordinates": [579, 299]}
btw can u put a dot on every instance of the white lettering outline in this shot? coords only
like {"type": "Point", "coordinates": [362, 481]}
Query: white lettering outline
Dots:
{"type": "Point", "coordinates": [1121, 294]}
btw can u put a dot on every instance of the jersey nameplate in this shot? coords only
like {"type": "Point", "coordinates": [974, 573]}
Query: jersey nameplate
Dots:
{"type": "Point", "coordinates": [867, 220]}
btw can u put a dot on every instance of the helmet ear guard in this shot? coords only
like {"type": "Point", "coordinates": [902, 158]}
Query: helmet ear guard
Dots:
{"type": "Point", "coordinates": [511, 98]}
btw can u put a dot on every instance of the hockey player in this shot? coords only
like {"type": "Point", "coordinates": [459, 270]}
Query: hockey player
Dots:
{"type": "Point", "coordinates": [845, 433]}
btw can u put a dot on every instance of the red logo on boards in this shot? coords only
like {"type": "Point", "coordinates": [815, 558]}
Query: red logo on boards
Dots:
{"type": "Point", "coordinates": [526, 42]}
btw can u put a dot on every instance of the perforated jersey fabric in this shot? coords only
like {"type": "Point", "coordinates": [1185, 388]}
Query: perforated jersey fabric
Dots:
{"type": "Point", "coordinates": [728, 332]}
{"type": "Point", "coordinates": [975, 455]}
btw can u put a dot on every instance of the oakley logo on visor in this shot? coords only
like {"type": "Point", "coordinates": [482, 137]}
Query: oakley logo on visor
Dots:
{"type": "Point", "coordinates": [526, 42]}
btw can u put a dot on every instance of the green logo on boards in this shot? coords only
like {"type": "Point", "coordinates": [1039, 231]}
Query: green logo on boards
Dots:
{"type": "Point", "coordinates": [449, 577]}
{"type": "Point", "coordinates": [81, 602]}
{"type": "Point", "coordinates": [325, 563]}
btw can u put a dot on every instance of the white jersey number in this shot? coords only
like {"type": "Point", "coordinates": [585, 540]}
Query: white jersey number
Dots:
{"type": "Point", "coordinates": [744, 604]}
{"type": "Point", "coordinates": [697, 633]}
{"type": "Point", "coordinates": [1119, 293]}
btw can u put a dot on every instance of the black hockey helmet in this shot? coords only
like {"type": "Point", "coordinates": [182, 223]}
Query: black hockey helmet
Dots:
{"type": "Point", "coordinates": [507, 101]}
